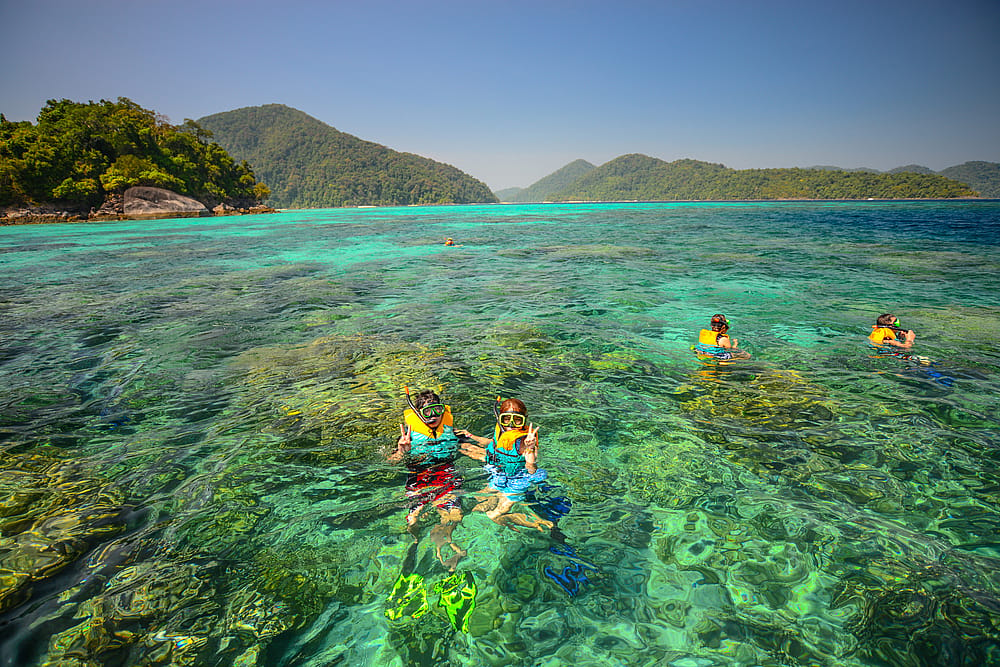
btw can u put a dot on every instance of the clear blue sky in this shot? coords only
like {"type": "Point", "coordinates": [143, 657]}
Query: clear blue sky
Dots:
{"type": "Point", "coordinates": [511, 90]}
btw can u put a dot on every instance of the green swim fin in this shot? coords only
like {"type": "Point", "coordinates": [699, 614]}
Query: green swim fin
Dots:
{"type": "Point", "coordinates": [408, 597]}
{"type": "Point", "coordinates": [458, 597]}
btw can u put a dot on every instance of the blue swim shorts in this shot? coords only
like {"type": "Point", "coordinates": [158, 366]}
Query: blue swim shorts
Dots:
{"type": "Point", "coordinates": [514, 486]}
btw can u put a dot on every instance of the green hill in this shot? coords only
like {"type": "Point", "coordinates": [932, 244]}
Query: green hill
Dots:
{"type": "Point", "coordinates": [913, 169]}
{"type": "Point", "coordinates": [309, 164]}
{"type": "Point", "coordinates": [508, 194]}
{"type": "Point", "coordinates": [981, 176]}
{"type": "Point", "coordinates": [79, 155]}
{"type": "Point", "coordinates": [638, 177]}
{"type": "Point", "coordinates": [551, 184]}
{"type": "Point", "coordinates": [828, 167]}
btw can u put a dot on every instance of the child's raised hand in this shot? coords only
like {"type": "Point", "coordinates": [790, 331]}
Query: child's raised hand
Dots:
{"type": "Point", "coordinates": [404, 435]}
{"type": "Point", "coordinates": [531, 440]}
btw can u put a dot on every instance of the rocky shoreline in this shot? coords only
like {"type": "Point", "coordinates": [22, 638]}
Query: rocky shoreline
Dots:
{"type": "Point", "coordinates": [139, 203]}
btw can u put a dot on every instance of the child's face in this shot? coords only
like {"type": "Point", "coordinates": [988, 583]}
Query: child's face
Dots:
{"type": "Point", "coordinates": [432, 415]}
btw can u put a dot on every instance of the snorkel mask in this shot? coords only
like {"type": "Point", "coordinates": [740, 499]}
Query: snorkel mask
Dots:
{"type": "Point", "coordinates": [897, 327]}
{"type": "Point", "coordinates": [508, 420]}
{"type": "Point", "coordinates": [427, 414]}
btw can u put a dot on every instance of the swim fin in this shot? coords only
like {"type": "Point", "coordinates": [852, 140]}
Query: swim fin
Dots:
{"type": "Point", "coordinates": [408, 597]}
{"type": "Point", "coordinates": [458, 597]}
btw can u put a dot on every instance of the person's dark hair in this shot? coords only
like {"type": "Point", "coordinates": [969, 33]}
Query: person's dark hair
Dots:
{"type": "Point", "coordinates": [885, 320]}
{"type": "Point", "coordinates": [514, 405]}
{"type": "Point", "coordinates": [718, 322]}
{"type": "Point", "coordinates": [426, 397]}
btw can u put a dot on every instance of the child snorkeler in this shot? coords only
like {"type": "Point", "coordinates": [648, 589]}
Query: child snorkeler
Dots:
{"type": "Point", "coordinates": [716, 343]}
{"type": "Point", "coordinates": [886, 331]}
{"type": "Point", "coordinates": [429, 445]}
{"type": "Point", "coordinates": [889, 338]}
{"type": "Point", "coordinates": [511, 458]}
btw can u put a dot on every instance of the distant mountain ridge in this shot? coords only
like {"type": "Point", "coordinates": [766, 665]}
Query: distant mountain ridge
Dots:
{"type": "Point", "coordinates": [981, 176]}
{"type": "Point", "coordinates": [308, 164]}
{"type": "Point", "coordinates": [558, 180]}
{"type": "Point", "coordinates": [643, 178]}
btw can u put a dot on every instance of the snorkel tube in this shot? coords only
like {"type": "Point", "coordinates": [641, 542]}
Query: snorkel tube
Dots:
{"type": "Point", "coordinates": [496, 415]}
{"type": "Point", "coordinates": [409, 401]}
{"type": "Point", "coordinates": [895, 328]}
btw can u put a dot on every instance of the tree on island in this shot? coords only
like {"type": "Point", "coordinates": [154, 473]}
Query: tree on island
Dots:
{"type": "Point", "coordinates": [78, 155]}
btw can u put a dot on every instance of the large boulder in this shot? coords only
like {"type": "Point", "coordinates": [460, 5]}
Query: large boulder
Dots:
{"type": "Point", "coordinates": [143, 202]}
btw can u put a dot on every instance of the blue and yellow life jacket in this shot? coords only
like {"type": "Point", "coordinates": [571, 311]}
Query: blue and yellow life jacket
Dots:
{"type": "Point", "coordinates": [504, 451]}
{"type": "Point", "coordinates": [439, 443]}
{"type": "Point", "coordinates": [708, 343]}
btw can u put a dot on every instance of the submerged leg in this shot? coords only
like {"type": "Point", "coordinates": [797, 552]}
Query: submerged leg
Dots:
{"type": "Point", "coordinates": [441, 535]}
{"type": "Point", "coordinates": [412, 526]}
{"type": "Point", "coordinates": [503, 506]}
{"type": "Point", "coordinates": [487, 503]}
{"type": "Point", "coordinates": [521, 519]}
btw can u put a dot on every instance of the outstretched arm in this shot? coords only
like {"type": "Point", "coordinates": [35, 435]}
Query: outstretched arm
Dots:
{"type": "Point", "coordinates": [726, 342]}
{"type": "Point", "coordinates": [906, 343]}
{"type": "Point", "coordinates": [473, 451]}
{"type": "Point", "coordinates": [471, 436]}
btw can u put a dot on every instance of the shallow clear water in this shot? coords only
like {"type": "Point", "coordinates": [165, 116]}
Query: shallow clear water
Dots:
{"type": "Point", "coordinates": [195, 416]}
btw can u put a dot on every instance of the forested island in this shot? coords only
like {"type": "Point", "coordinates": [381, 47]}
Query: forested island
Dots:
{"type": "Point", "coordinates": [84, 160]}
{"type": "Point", "coordinates": [637, 177]}
{"type": "Point", "coordinates": [79, 159]}
{"type": "Point", "coordinates": [309, 164]}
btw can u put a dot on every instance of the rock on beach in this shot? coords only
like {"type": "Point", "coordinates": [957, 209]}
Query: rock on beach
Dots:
{"type": "Point", "coordinates": [144, 202]}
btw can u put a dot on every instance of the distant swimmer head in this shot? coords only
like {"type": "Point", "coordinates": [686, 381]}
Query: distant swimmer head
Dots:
{"type": "Point", "coordinates": [449, 241]}
{"type": "Point", "coordinates": [888, 320]}
{"type": "Point", "coordinates": [719, 323]}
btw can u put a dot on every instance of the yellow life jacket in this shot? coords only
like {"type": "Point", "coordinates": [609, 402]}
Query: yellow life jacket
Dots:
{"type": "Point", "coordinates": [879, 334]}
{"type": "Point", "coordinates": [709, 337]}
{"type": "Point", "coordinates": [508, 439]}
{"type": "Point", "coordinates": [417, 425]}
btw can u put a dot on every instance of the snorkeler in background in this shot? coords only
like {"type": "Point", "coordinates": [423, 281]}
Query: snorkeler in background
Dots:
{"type": "Point", "coordinates": [429, 445]}
{"type": "Point", "coordinates": [511, 458]}
{"type": "Point", "coordinates": [715, 342]}
{"type": "Point", "coordinates": [888, 337]}
{"type": "Point", "coordinates": [887, 331]}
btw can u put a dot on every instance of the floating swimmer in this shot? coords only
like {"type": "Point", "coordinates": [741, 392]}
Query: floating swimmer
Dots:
{"type": "Point", "coordinates": [889, 337]}
{"type": "Point", "coordinates": [887, 331]}
{"type": "Point", "coordinates": [430, 445]}
{"type": "Point", "coordinates": [715, 343]}
{"type": "Point", "coordinates": [511, 458]}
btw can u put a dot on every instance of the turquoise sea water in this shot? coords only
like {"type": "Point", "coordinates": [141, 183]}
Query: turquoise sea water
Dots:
{"type": "Point", "coordinates": [195, 416]}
